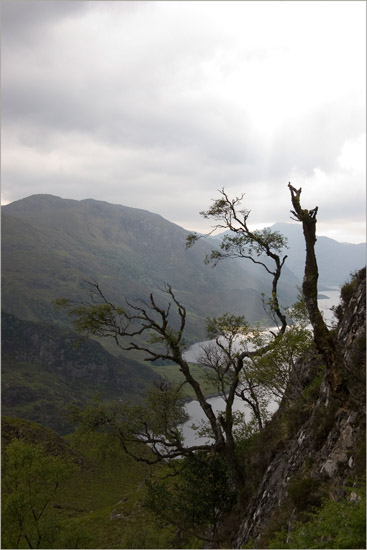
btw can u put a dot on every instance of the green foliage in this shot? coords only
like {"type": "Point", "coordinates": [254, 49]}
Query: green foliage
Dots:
{"type": "Point", "coordinates": [191, 239]}
{"type": "Point", "coordinates": [206, 489]}
{"type": "Point", "coordinates": [195, 499]}
{"type": "Point", "coordinates": [297, 313]}
{"type": "Point", "coordinates": [91, 318]}
{"type": "Point", "coordinates": [311, 391]}
{"type": "Point", "coordinates": [30, 480]}
{"type": "Point", "coordinates": [100, 505]}
{"type": "Point", "coordinates": [165, 407]}
{"type": "Point", "coordinates": [277, 369]}
{"type": "Point", "coordinates": [148, 432]}
{"type": "Point", "coordinates": [347, 291]}
{"type": "Point", "coordinates": [175, 376]}
{"type": "Point", "coordinates": [337, 524]}
{"type": "Point", "coordinates": [105, 497]}
{"type": "Point", "coordinates": [34, 433]}
{"type": "Point", "coordinates": [227, 325]}
{"type": "Point", "coordinates": [305, 492]}
{"type": "Point", "coordinates": [255, 243]}
{"type": "Point", "coordinates": [274, 369]}
{"type": "Point", "coordinates": [249, 245]}
{"type": "Point", "coordinates": [349, 288]}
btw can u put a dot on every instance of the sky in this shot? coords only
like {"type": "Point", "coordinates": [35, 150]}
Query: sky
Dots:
{"type": "Point", "coordinates": [158, 105]}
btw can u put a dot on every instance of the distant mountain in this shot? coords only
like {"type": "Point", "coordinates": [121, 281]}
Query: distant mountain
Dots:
{"type": "Point", "coordinates": [335, 260]}
{"type": "Point", "coordinates": [50, 246]}
{"type": "Point", "coordinates": [45, 368]}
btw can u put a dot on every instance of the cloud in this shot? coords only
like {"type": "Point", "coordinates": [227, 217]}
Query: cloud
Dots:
{"type": "Point", "coordinates": [315, 139]}
{"type": "Point", "coordinates": [25, 20]}
{"type": "Point", "coordinates": [158, 104]}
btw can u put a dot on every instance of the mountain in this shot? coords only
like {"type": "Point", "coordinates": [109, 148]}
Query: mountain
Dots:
{"type": "Point", "coordinates": [50, 246]}
{"type": "Point", "coordinates": [45, 368]}
{"type": "Point", "coordinates": [313, 450]}
{"type": "Point", "coordinates": [336, 260]}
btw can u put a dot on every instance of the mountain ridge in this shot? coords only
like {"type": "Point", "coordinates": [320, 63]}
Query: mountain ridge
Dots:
{"type": "Point", "coordinates": [336, 260]}
{"type": "Point", "coordinates": [50, 245]}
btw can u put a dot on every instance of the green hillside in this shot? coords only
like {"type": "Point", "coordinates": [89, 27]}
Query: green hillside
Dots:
{"type": "Point", "coordinates": [99, 505]}
{"type": "Point", "coordinates": [50, 246]}
{"type": "Point", "coordinates": [45, 368]}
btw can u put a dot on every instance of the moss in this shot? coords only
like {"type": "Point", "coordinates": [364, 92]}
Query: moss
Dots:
{"type": "Point", "coordinates": [323, 422]}
{"type": "Point", "coordinates": [359, 352]}
{"type": "Point", "coordinates": [360, 455]}
{"type": "Point", "coordinates": [278, 523]}
{"type": "Point", "coordinates": [305, 493]}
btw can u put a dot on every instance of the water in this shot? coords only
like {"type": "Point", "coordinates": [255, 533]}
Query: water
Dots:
{"type": "Point", "coordinates": [197, 415]}
{"type": "Point", "coordinates": [325, 304]}
{"type": "Point", "coordinates": [193, 409]}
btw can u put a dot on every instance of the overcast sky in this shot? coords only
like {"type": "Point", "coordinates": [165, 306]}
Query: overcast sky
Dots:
{"type": "Point", "coordinates": [157, 105]}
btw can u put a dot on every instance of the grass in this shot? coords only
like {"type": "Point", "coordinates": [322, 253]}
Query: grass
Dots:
{"type": "Point", "coordinates": [104, 499]}
{"type": "Point", "coordinates": [102, 503]}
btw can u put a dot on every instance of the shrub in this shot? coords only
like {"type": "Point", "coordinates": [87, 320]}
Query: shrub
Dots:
{"type": "Point", "coordinates": [305, 493]}
{"type": "Point", "coordinates": [350, 287]}
{"type": "Point", "coordinates": [30, 480]}
{"type": "Point", "coordinates": [337, 524]}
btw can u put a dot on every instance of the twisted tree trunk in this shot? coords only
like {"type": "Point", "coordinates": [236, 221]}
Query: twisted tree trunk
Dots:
{"type": "Point", "coordinates": [324, 342]}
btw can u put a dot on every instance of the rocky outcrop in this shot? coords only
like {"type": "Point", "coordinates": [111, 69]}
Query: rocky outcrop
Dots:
{"type": "Point", "coordinates": [45, 368]}
{"type": "Point", "coordinates": [62, 351]}
{"type": "Point", "coordinates": [323, 453]}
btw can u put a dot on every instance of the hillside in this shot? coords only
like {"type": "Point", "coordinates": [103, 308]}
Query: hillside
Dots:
{"type": "Point", "coordinates": [311, 456]}
{"type": "Point", "coordinates": [99, 506]}
{"type": "Point", "coordinates": [305, 471]}
{"type": "Point", "coordinates": [46, 368]}
{"type": "Point", "coordinates": [50, 246]}
{"type": "Point", "coordinates": [35, 433]}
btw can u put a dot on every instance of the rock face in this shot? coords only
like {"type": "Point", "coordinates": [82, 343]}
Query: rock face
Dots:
{"type": "Point", "coordinates": [45, 368]}
{"type": "Point", "coordinates": [323, 452]}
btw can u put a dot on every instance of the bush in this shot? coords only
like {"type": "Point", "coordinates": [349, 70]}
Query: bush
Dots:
{"type": "Point", "coordinates": [30, 479]}
{"type": "Point", "coordinates": [196, 499]}
{"type": "Point", "coordinates": [350, 287]}
{"type": "Point", "coordinates": [340, 524]}
{"type": "Point", "coordinates": [305, 493]}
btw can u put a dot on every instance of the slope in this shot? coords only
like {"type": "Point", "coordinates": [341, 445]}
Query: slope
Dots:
{"type": "Point", "coordinates": [45, 368]}
{"type": "Point", "coordinates": [50, 246]}
{"type": "Point", "coordinates": [313, 450]}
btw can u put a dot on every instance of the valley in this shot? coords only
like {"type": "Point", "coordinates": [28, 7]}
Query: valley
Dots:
{"type": "Point", "coordinates": [50, 248]}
